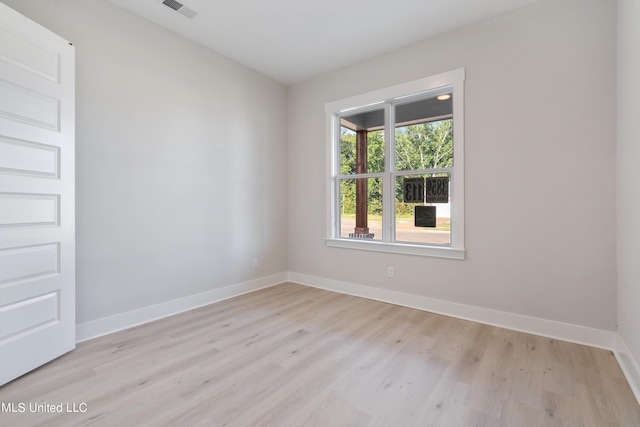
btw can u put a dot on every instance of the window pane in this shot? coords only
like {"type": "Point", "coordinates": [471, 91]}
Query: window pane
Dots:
{"type": "Point", "coordinates": [418, 221]}
{"type": "Point", "coordinates": [424, 134]}
{"type": "Point", "coordinates": [362, 143]}
{"type": "Point", "coordinates": [347, 151]}
{"type": "Point", "coordinates": [375, 151]}
{"type": "Point", "coordinates": [361, 208]}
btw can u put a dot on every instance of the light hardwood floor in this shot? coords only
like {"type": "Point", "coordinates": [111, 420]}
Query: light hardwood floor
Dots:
{"type": "Point", "coordinates": [292, 355]}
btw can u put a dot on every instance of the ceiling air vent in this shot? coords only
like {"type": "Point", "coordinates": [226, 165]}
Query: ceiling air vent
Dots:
{"type": "Point", "coordinates": [179, 7]}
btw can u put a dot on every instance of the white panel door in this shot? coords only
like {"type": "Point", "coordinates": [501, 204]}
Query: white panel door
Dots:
{"type": "Point", "coordinates": [37, 200]}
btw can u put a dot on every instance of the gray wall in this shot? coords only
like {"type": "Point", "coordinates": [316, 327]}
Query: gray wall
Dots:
{"type": "Point", "coordinates": [183, 178]}
{"type": "Point", "coordinates": [181, 161]}
{"type": "Point", "coordinates": [540, 166]}
{"type": "Point", "coordinates": [628, 179]}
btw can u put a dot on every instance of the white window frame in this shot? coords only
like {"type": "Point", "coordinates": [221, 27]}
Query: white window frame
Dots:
{"type": "Point", "coordinates": [384, 97]}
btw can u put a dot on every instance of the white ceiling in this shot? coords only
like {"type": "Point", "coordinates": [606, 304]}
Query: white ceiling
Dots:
{"type": "Point", "coordinates": [293, 40]}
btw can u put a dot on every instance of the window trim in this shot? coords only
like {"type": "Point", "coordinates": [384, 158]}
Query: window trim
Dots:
{"type": "Point", "coordinates": [455, 79]}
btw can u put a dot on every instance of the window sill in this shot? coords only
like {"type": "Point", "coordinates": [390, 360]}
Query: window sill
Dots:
{"type": "Point", "coordinates": [398, 248]}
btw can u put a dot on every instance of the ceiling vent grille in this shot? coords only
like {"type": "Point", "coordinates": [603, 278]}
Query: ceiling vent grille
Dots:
{"type": "Point", "coordinates": [180, 8]}
{"type": "Point", "coordinates": [173, 4]}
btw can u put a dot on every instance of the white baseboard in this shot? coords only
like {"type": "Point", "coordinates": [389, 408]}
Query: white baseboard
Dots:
{"type": "Point", "coordinates": [547, 328]}
{"type": "Point", "coordinates": [629, 366]}
{"type": "Point", "coordinates": [106, 325]}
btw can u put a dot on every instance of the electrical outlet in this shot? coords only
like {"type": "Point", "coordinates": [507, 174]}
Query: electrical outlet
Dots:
{"type": "Point", "coordinates": [255, 263]}
{"type": "Point", "coordinates": [390, 272]}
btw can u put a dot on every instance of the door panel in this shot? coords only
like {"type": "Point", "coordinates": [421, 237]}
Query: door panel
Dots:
{"type": "Point", "coordinates": [37, 195]}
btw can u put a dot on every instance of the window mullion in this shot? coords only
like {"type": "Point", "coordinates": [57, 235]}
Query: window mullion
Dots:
{"type": "Point", "coordinates": [362, 175]}
{"type": "Point", "coordinates": [425, 171]}
{"type": "Point", "coordinates": [388, 210]}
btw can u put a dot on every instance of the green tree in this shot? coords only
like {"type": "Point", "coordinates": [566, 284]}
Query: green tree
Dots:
{"type": "Point", "coordinates": [347, 167]}
{"type": "Point", "coordinates": [424, 146]}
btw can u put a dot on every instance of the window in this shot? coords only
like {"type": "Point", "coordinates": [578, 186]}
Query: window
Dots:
{"type": "Point", "coordinates": [396, 168]}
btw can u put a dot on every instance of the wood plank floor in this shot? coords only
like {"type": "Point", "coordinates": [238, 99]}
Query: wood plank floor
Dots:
{"type": "Point", "coordinates": [297, 356]}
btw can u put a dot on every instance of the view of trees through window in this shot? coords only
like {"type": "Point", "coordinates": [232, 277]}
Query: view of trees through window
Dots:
{"type": "Point", "coordinates": [375, 163]}
{"type": "Point", "coordinates": [417, 147]}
